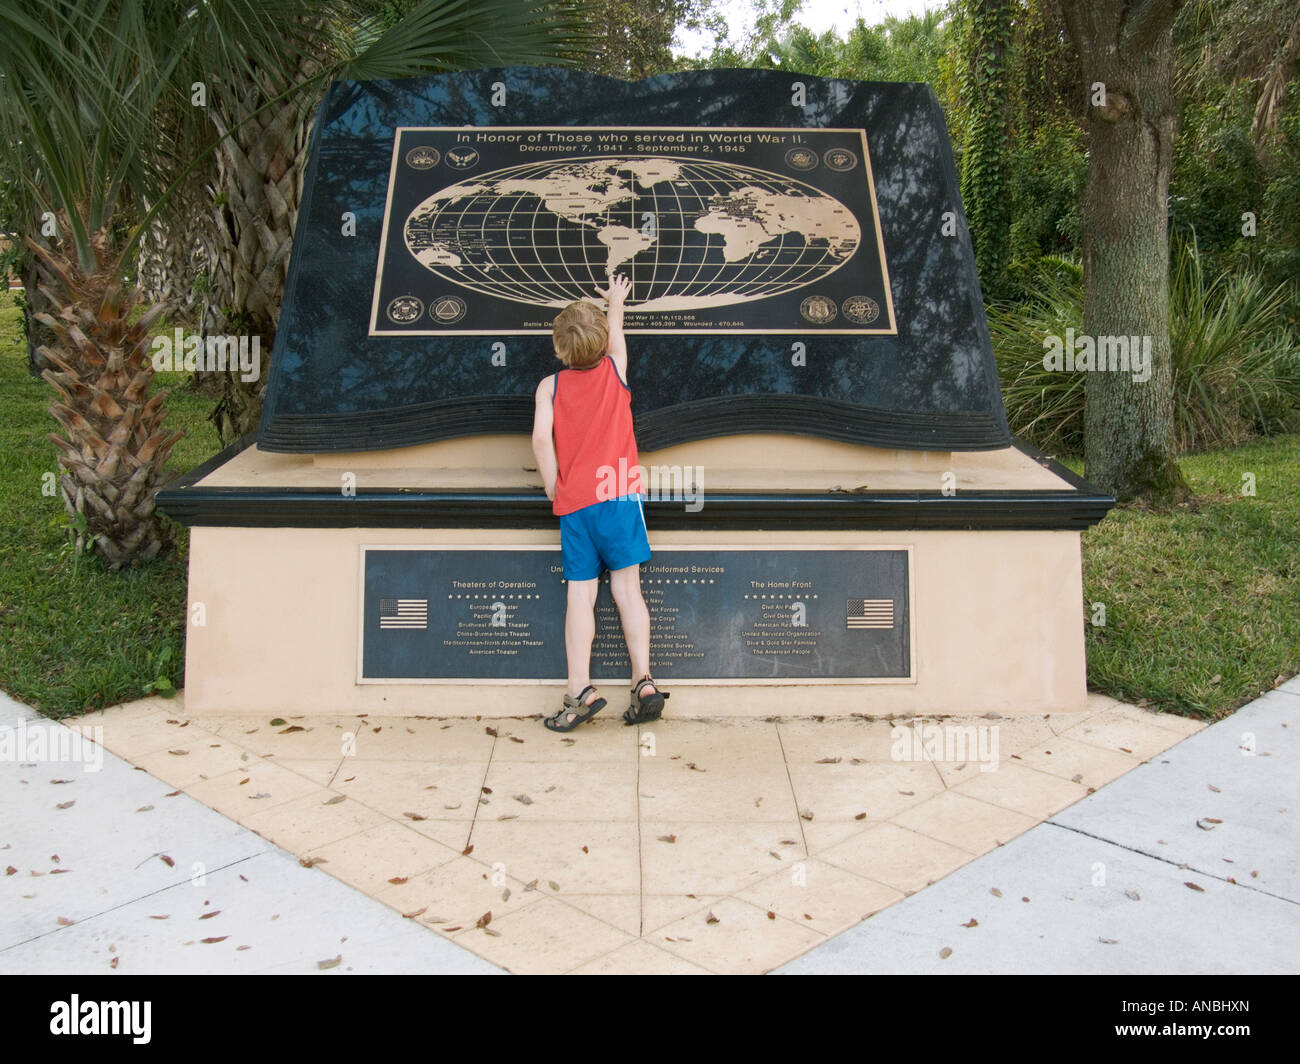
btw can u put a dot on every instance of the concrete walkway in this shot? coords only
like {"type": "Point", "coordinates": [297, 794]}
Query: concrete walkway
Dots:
{"type": "Point", "coordinates": [122, 886]}
{"type": "Point", "coordinates": [128, 848]}
{"type": "Point", "coordinates": [1189, 864]}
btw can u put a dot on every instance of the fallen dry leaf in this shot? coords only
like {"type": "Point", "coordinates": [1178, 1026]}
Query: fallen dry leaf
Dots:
{"type": "Point", "coordinates": [66, 922]}
{"type": "Point", "coordinates": [178, 753]}
{"type": "Point", "coordinates": [1214, 788]}
{"type": "Point", "coordinates": [771, 915]}
{"type": "Point", "coordinates": [417, 912]}
{"type": "Point", "coordinates": [212, 941]}
{"type": "Point", "coordinates": [66, 805]}
{"type": "Point", "coordinates": [209, 916]}
{"type": "Point", "coordinates": [946, 952]}
{"type": "Point", "coordinates": [297, 727]}
{"type": "Point", "coordinates": [711, 919]}
{"type": "Point", "coordinates": [335, 800]}
{"type": "Point", "coordinates": [1108, 941]}
{"type": "Point", "coordinates": [523, 799]}
{"type": "Point", "coordinates": [485, 919]}
{"type": "Point", "coordinates": [467, 850]}
{"type": "Point", "coordinates": [398, 880]}
{"type": "Point", "coordinates": [667, 838]}
{"type": "Point", "coordinates": [552, 884]}
{"type": "Point", "coordinates": [1194, 886]}
{"type": "Point", "coordinates": [333, 962]}
{"type": "Point", "coordinates": [413, 816]}
{"type": "Point", "coordinates": [861, 816]}
{"type": "Point", "coordinates": [310, 862]}
{"type": "Point", "coordinates": [806, 814]}
{"type": "Point", "coordinates": [166, 860]}
{"type": "Point", "coordinates": [113, 962]}
{"type": "Point", "coordinates": [1132, 895]}
{"type": "Point", "coordinates": [827, 761]}
{"type": "Point", "coordinates": [995, 892]}
{"type": "Point", "coordinates": [972, 922]}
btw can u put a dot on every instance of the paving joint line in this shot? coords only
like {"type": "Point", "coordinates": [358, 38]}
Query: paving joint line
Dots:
{"type": "Point", "coordinates": [1170, 861]}
{"type": "Point", "coordinates": [142, 897]}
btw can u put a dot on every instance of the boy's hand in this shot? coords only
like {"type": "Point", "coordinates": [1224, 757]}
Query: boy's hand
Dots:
{"type": "Point", "coordinates": [620, 287]}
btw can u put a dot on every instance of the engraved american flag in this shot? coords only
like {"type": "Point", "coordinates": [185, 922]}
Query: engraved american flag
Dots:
{"type": "Point", "coordinates": [869, 613]}
{"type": "Point", "coordinates": [403, 613]}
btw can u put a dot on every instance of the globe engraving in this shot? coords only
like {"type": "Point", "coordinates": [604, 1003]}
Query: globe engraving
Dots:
{"type": "Point", "coordinates": [690, 233]}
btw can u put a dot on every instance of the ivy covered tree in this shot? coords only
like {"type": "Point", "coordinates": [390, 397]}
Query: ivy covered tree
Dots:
{"type": "Point", "coordinates": [987, 39]}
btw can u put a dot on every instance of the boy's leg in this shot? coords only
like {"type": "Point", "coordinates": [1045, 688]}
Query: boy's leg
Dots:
{"type": "Point", "coordinates": [625, 586]}
{"type": "Point", "coordinates": [579, 631]}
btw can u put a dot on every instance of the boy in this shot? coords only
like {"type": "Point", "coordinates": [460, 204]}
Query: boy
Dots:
{"type": "Point", "coordinates": [582, 427]}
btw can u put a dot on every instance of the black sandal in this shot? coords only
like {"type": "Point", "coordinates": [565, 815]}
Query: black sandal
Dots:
{"type": "Point", "coordinates": [642, 710]}
{"type": "Point", "coordinates": [577, 706]}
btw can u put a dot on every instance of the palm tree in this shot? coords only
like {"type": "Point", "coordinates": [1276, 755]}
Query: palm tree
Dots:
{"type": "Point", "coordinates": [96, 106]}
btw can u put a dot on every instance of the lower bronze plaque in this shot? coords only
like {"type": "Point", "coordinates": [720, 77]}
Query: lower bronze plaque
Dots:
{"type": "Point", "coordinates": [778, 614]}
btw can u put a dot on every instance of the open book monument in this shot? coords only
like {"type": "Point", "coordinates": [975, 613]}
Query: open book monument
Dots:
{"type": "Point", "coordinates": [841, 521]}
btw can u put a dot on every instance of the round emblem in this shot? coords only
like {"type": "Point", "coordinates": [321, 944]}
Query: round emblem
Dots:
{"type": "Point", "coordinates": [818, 309]}
{"type": "Point", "coordinates": [461, 158]}
{"type": "Point", "coordinates": [801, 158]}
{"type": "Point", "coordinates": [862, 310]}
{"type": "Point", "coordinates": [404, 309]}
{"type": "Point", "coordinates": [840, 159]}
{"type": "Point", "coordinates": [422, 158]}
{"type": "Point", "coordinates": [447, 310]}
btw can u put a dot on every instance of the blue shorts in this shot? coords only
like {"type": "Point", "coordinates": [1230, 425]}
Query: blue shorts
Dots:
{"type": "Point", "coordinates": [606, 535]}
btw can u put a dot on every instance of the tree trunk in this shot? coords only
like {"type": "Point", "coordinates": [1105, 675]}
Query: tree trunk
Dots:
{"type": "Point", "coordinates": [1127, 47]}
{"type": "Point", "coordinates": [260, 173]}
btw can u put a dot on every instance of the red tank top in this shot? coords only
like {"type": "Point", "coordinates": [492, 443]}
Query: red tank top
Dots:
{"type": "Point", "coordinates": [594, 445]}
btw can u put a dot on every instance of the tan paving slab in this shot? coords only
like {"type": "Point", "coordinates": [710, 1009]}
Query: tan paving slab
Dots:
{"type": "Point", "coordinates": [313, 820]}
{"type": "Point", "coordinates": [567, 790]}
{"type": "Point", "coordinates": [622, 911]}
{"type": "Point", "coordinates": [413, 801]}
{"type": "Point", "coordinates": [321, 772]}
{"type": "Point", "coordinates": [551, 851]}
{"type": "Point", "coordinates": [966, 822]}
{"type": "Point", "coordinates": [899, 858]}
{"type": "Point", "coordinates": [605, 738]}
{"type": "Point", "coordinates": [660, 909]}
{"type": "Point", "coordinates": [808, 741]}
{"type": "Point", "coordinates": [712, 743]}
{"type": "Point", "coordinates": [245, 793]}
{"type": "Point", "coordinates": [434, 790]}
{"type": "Point", "coordinates": [827, 898]}
{"type": "Point", "coordinates": [133, 737]}
{"type": "Point", "coordinates": [1140, 737]}
{"type": "Point", "coordinates": [456, 894]}
{"type": "Point", "coordinates": [400, 739]}
{"type": "Point", "coordinates": [639, 958]}
{"type": "Point", "coordinates": [320, 738]}
{"type": "Point", "coordinates": [882, 790]}
{"type": "Point", "coordinates": [1085, 763]}
{"type": "Point", "coordinates": [1026, 790]}
{"type": "Point", "coordinates": [745, 789]}
{"type": "Point", "coordinates": [743, 941]}
{"type": "Point", "coordinates": [370, 859]}
{"type": "Point", "coordinates": [548, 938]}
{"type": "Point", "coordinates": [713, 857]}
{"type": "Point", "coordinates": [193, 761]}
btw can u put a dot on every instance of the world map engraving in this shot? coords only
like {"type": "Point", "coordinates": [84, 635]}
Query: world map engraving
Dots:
{"type": "Point", "coordinates": [690, 233]}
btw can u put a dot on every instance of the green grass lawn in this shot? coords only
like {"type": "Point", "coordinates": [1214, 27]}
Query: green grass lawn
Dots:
{"type": "Point", "coordinates": [1202, 602]}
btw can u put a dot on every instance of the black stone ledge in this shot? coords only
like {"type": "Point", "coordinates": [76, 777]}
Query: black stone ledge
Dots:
{"type": "Point", "coordinates": [251, 507]}
{"type": "Point", "coordinates": [686, 422]}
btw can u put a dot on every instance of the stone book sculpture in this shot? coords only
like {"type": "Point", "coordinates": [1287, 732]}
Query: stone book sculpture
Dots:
{"type": "Point", "coordinates": [796, 246]}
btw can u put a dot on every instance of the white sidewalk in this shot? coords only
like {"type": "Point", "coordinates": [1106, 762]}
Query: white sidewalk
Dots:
{"type": "Point", "coordinates": [1106, 878]}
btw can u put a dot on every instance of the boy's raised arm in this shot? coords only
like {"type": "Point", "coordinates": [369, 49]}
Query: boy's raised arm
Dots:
{"type": "Point", "coordinates": [620, 286]}
{"type": "Point", "coordinates": [543, 438]}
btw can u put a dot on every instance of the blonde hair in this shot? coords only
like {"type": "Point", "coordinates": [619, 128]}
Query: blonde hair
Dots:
{"type": "Point", "coordinates": [580, 334]}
